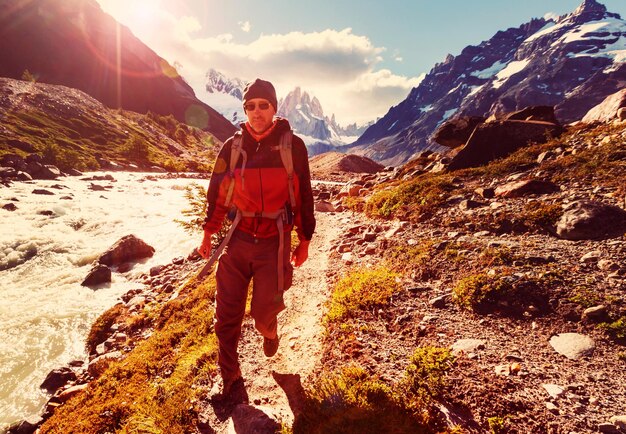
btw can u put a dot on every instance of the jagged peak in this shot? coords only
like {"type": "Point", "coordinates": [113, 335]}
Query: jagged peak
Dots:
{"type": "Point", "coordinates": [589, 10]}
{"type": "Point", "coordinates": [588, 6]}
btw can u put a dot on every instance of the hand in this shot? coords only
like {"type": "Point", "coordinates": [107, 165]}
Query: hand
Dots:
{"type": "Point", "coordinates": [301, 253]}
{"type": "Point", "coordinates": [205, 247]}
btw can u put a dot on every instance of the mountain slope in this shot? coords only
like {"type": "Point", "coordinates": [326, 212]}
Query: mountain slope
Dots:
{"type": "Point", "coordinates": [225, 95]}
{"type": "Point", "coordinates": [73, 43]}
{"type": "Point", "coordinates": [72, 130]}
{"type": "Point", "coordinates": [572, 62]}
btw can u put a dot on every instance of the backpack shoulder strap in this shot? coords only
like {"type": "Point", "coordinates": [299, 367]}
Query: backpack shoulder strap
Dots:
{"type": "Point", "coordinates": [286, 156]}
{"type": "Point", "coordinates": [235, 152]}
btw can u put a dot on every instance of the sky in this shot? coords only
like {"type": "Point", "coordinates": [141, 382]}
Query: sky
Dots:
{"type": "Point", "coordinates": [359, 58]}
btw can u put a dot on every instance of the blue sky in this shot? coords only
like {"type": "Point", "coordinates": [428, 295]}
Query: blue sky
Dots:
{"type": "Point", "coordinates": [358, 57]}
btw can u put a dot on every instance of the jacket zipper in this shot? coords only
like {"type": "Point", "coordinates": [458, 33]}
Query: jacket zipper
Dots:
{"type": "Point", "coordinates": [258, 222]}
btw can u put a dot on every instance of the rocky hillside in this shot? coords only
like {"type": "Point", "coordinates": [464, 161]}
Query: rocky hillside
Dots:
{"type": "Point", "coordinates": [69, 129]}
{"type": "Point", "coordinates": [336, 166]}
{"type": "Point", "coordinates": [75, 44]}
{"type": "Point", "coordinates": [571, 63]}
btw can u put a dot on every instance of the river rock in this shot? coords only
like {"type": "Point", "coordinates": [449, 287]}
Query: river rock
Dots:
{"type": "Point", "coordinates": [70, 392]}
{"type": "Point", "coordinates": [100, 364]}
{"type": "Point", "coordinates": [127, 248]}
{"type": "Point", "coordinates": [572, 345]}
{"type": "Point", "coordinates": [10, 206]}
{"type": "Point", "coordinates": [42, 191]}
{"type": "Point", "coordinates": [590, 220]}
{"type": "Point", "coordinates": [24, 427]}
{"type": "Point", "coordinates": [98, 275]}
{"type": "Point", "coordinates": [58, 378]}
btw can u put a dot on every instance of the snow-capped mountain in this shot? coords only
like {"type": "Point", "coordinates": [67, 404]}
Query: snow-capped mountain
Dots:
{"type": "Point", "coordinates": [306, 116]}
{"type": "Point", "coordinates": [225, 95]}
{"type": "Point", "coordinates": [572, 63]}
{"type": "Point", "coordinates": [305, 113]}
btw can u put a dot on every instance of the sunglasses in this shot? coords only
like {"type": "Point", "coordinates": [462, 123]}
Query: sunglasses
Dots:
{"type": "Point", "coordinates": [250, 107]}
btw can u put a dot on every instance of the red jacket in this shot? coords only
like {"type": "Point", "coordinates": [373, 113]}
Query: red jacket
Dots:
{"type": "Point", "coordinates": [264, 186]}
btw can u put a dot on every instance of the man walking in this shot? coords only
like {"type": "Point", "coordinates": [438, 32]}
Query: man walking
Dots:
{"type": "Point", "coordinates": [261, 180]}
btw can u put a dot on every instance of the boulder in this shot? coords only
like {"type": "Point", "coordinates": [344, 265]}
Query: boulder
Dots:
{"type": "Point", "coordinates": [70, 392]}
{"type": "Point", "coordinates": [24, 427]}
{"type": "Point", "coordinates": [45, 171]}
{"type": "Point", "coordinates": [13, 160]}
{"type": "Point", "coordinates": [10, 206]}
{"type": "Point", "coordinates": [455, 132]}
{"type": "Point", "coordinates": [100, 364]}
{"type": "Point", "coordinates": [607, 110]}
{"type": "Point", "coordinates": [73, 172]}
{"type": "Point", "coordinates": [98, 275]}
{"type": "Point", "coordinates": [543, 113]}
{"type": "Point", "coordinates": [591, 220]}
{"type": "Point", "coordinates": [572, 345]}
{"type": "Point", "coordinates": [498, 139]}
{"type": "Point", "coordinates": [58, 378]}
{"type": "Point", "coordinates": [8, 172]}
{"type": "Point", "coordinates": [42, 191]}
{"type": "Point", "coordinates": [324, 206]}
{"type": "Point", "coordinates": [127, 249]}
{"type": "Point", "coordinates": [526, 187]}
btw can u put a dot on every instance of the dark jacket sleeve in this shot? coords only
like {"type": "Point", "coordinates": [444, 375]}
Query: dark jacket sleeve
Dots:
{"type": "Point", "coordinates": [216, 193]}
{"type": "Point", "coordinates": [305, 220]}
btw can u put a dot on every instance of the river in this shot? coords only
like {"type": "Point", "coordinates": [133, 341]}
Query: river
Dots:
{"type": "Point", "coordinates": [47, 247]}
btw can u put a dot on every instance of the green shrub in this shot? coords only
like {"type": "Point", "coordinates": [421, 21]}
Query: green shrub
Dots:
{"type": "Point", "coordinates": [477, 289]}
{"type": "Point", "coordinates": [351, 402]}
{"type": "Point", "coordinates": [136, 149]}
{"type": "Point", "coordinates": [538, 215]}
{"type": "Point", "coordinates": [425, 377]}
{"type": "Point", "coordinates": [361, 289]}
{"type": "Point", "coordinates": [100, 328]}
{"type": "Point", "coordinates": [65, 158]}
{"type": "Point", "coordinates": [617, 329]}
{"type": "Point", "coordinates": [412, 199]}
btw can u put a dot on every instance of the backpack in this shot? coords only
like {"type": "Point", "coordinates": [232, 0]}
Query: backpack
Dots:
{"type": "Point", "coordinates": [282, 215]}
{"type": "Point", "coordinates": [284, 146]}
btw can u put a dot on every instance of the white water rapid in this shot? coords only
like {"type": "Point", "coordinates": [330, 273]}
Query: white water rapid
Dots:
{"type": "Point", "coordinates": [45, 313]}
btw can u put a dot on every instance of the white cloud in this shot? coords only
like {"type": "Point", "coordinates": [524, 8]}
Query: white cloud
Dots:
{"type": "Point", "coordinates": [245, 26]}
{"type": "Point", "coordinates": [551, 16]}
{"type": "Point", "coordinates": [338, 66]}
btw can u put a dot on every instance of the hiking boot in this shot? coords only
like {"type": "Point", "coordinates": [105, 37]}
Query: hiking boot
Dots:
{"type": "Point", "coordinates": [270, 346]}
{"type": "Point", "coordinates": [227, 386]}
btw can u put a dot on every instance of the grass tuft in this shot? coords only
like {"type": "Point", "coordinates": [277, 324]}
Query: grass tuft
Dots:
{"type": "Point", "coordinates": [361, 289]}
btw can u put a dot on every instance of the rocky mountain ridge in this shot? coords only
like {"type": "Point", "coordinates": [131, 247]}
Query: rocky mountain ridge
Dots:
{"type": "Point", "coordinates": [571, 63]}
{"type": "Point", "coordinates": [304, 112]}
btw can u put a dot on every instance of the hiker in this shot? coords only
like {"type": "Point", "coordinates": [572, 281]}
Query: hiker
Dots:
{"type": "Point", "coordinates": [251, 183]}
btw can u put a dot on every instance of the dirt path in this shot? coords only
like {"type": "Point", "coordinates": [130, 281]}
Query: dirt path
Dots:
{"type": "Point", "coordinates": [274, 385]}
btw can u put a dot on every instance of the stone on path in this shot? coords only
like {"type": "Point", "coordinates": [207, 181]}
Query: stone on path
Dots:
{"type": "Point", "coordinates": [572, 345]}
{"type": "Point", "coordinates": [467, 346]}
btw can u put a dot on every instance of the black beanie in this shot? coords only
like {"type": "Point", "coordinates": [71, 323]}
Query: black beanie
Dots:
{"type": "Point", "coordinates": [260, 89]}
